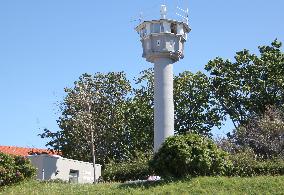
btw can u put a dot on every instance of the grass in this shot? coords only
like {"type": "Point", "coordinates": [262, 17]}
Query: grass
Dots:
{"type": "Point", "coordinates": [199, 185]}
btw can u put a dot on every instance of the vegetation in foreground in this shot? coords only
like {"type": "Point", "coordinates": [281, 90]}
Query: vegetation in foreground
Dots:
{"type": "Point", "coordinates": [14, 169]}
{"type": "Point", "coordinates": [199, 185]}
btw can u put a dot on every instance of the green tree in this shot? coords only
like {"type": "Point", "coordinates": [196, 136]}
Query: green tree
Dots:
{"type": "Point", "coordinates": [80, 101]}
{"type": "Point", "coordinates": [140, 114]}
{"type": "Point", "coordinates": [196, 110]}
{"type": "Point", "coordinates": [121, 118]}
{"type": "Point", "coordinates": [195, 107]}
{"type": "Point", "coordinates": [245, 87]}
{"type": "Point", "coordinates": [95, 104]}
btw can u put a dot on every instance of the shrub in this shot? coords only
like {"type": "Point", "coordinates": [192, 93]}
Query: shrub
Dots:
{"type": "Point", "coordinates": [190, 154]}
{"type": "Point", "coordinates": [126, 171]}
{"type": "Point", "coordinates": [243, 163]}
{"type": "Point", "coordinates": [247, 163]}
{"type": "Point", "coordinates": [137, 169]}
{"type": "Point", "coordinates": [270, 167]}
{"type": "Point", "coordinates": [14, 169]}
{"type": "Point", "coordinates": [264, 134]}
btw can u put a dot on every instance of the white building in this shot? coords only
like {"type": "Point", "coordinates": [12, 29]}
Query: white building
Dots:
{"type": "Point", "coordinates": [56, 167]}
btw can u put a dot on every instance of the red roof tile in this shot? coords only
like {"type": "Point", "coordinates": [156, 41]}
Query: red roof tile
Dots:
{"type": "Point", "coordinates": [20, 151]}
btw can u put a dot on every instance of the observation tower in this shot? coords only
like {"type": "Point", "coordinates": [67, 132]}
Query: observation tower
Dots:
{"type": "Point", "coordinates": [163, 44]}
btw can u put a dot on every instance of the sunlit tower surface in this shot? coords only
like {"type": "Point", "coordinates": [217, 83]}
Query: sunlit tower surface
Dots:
{"type": "Point", "coordinates": [163, 44]}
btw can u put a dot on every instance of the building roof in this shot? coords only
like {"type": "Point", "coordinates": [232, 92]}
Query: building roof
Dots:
{"type": "Point", "coordinates": [21, 151]}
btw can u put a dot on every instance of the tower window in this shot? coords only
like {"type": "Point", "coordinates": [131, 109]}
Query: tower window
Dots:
{"type": "Point", "coordinates": [156, 28]}
{"type": "Point", "coordinates": [158, 43]}
{"type": "Point", "coordinates": [174, 28]}
{"type": "Point", "coordinates": [143, 32]}
{"type": "Point", "coordinates": [162, 28]}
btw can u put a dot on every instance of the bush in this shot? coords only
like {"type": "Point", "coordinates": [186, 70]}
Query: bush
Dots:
{"type": "Point", "coordinates": [264, 134]}
{"type": "Point", "coordinates": [122, 172]}
{"type": "Point", "coordinates": [243, 163]}
{"type": "Point", "coordinates": [247, 163]}
{"type": "Point", "coordinates": [270, 167]}
{"type": "Point", "coordinates": [14, 169]}
{"type": "Point", "coordinates": [126, 171]}
{"type": "Point", "coordinates": [190, 154]}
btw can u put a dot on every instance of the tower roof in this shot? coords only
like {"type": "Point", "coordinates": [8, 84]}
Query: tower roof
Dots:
{"type": "Point", "coordinates": [140, 26]}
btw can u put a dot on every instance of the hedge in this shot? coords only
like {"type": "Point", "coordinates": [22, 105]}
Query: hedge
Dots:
{"type": "Point", "coordinates": [14, 169]}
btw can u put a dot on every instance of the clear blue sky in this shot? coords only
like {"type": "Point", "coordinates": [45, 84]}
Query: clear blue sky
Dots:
{"type": "Point", "coordinates": [46, 45]}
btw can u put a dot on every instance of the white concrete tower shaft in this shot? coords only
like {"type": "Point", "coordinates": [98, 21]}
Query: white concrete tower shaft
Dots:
{"type": "Point", "coordinates": [163, 101]}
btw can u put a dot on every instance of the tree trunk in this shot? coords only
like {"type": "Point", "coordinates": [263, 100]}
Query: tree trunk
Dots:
{"type": "Point", "coordinates": [93, 154]}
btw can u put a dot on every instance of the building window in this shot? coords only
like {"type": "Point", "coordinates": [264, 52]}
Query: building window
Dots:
{"type": "Point", "coordinates": [73, 176]}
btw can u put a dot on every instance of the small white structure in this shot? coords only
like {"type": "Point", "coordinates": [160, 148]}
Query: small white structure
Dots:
{"type": "Point", "coordinates": [163, 44]}
{"type": "Point", "coordinates": [56, 167]}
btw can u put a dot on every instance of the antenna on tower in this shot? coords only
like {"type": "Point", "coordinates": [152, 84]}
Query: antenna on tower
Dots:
{"type": "Point", "coordinates": [138, 19]}
{"type": "Point", "coordinates": [163, 11]}
{"type": "Point", "coordinates": [185, 12]}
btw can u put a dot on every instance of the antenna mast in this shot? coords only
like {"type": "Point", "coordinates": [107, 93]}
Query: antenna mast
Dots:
{"type": "Point", "coordinates": [140, 17]}
{"type": "Point", "coordinates": [182, 16]}
{"type": "Point", "coordinates": [163, 11]}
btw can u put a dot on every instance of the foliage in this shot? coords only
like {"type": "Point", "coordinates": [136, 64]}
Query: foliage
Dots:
{"type": "Point", "coordinates": [54, 181]}
{"type": "Point", "coordinates": [247, 163]}
{"type": "Point", "coordinates": [14, 169]}
{"type": "Point", "coordinates": [121, 117]}
{"type": "Point", "coordinates": [137, 169]}
{"type": "Point", "coordinates": [198, 185]}
{"type": "Point", "coordinates": [245, 87]}
{"type": "Point", "coordinates": [139, 114]}
{"type": "Point", "coordinates": [195, 107]}
{"type": "Point", "coordinates": [270, 167]}
{"type": "Point", "coordinates": [108, 93]}
{"type": "Point", "coordinates": [264, 134]}
{"type": "Point", "coordinates": [243, 163]}
{"type": "Point", "coordinates": [190, 154]}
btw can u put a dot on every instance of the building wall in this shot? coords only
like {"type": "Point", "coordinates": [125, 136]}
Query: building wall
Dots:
{"type": "Point", "coordinates": [55, 167]}
{"type": "Point", "coordinates": [37, 162]}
